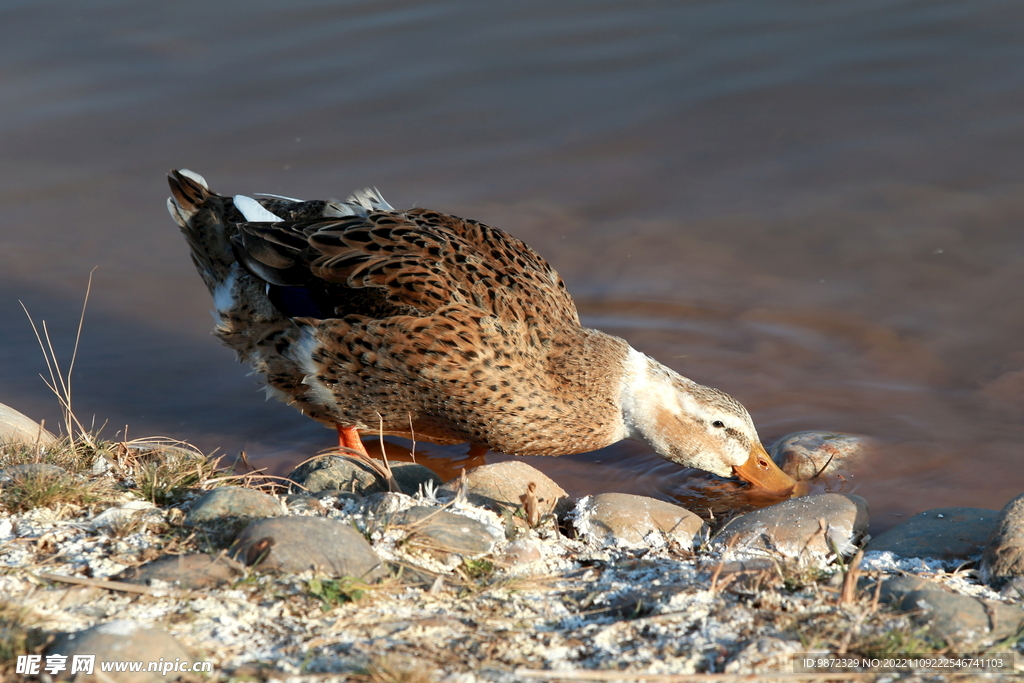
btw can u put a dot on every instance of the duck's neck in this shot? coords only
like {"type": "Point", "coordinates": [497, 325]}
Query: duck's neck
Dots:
{"type": "Point", "coordinates": [667, 411]}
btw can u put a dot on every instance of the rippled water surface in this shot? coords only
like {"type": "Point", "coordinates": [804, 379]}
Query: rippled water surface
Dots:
{"type": "Point", "coordinates": [818, 207]}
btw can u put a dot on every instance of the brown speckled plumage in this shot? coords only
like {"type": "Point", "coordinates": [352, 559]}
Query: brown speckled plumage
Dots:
{"type": "Point", "coordinates": [439, 328]}
{"type": "Point", "coordinates": [424, 325]}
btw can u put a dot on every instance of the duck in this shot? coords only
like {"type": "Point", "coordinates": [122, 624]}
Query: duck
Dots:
{"type": "Point", "coordinates": [423, 325]}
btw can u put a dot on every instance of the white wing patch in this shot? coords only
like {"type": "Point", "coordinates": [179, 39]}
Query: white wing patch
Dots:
{"type": "Point", "coordinates": [194, 176]}
{"type": "Point", "coordinates": [254, 211]}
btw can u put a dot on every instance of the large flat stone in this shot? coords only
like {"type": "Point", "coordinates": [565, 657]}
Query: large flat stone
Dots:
{"type": "Point", "coordinates": [800, 528]}
{"type": "Point", "coordinates": [16, 427]}
{"type": "Point", "coordinates": [185, 571]}
{"type": "Point", "coordinates": [624, 519]}
{"type": "Point", "coordinates": [233, 503]}
{"type": "Point", "coordinates": [444, 533]}
{"type": "Point", "coordinates": [957, 619]}
{"type": "Point", "coordinates": [119, 641]}
{"type": "Point", "coordinates": [501, 486]}
{"type": "Point", "coordinates": [942, 533]}
{"type": "Point", "coordinates": [296, 544]}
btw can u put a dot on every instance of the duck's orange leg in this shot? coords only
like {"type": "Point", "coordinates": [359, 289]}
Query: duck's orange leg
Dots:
{"type": "Point", "coordinates": [348, 437]}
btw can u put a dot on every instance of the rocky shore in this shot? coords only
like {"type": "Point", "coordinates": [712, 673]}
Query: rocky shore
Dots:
{"type": "Point", "coordinates": [145, 551]}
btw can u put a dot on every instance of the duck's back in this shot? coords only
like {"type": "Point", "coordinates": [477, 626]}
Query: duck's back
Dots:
{"type": "Point", "coordinates": [382, 263]}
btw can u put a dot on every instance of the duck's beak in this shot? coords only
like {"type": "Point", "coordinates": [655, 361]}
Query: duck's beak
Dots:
{"type": "Point", "coordinates": [763, 475]}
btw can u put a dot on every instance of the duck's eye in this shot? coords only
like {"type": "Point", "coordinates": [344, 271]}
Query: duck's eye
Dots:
{"type": "Point", "coordinates": [718, 423]}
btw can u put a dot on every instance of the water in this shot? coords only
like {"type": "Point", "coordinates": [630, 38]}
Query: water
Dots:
{"type": "Point", "coordinates": [813, 206]}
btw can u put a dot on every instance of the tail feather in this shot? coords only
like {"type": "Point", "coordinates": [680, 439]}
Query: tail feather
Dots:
{"type": "Point", "coordinates": [201, 215]}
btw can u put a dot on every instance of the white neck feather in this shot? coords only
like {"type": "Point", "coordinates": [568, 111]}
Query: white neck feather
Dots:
{"type": "Point", "coordinates": [641, 390]}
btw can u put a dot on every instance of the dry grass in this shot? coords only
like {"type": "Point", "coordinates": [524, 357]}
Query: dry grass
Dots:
{"type": "Point", "coordinates": [51, 489]}
{"type": "Point", "coordinates": [19, 635]}
{"type": "Point", "coordinates": [161, 471]}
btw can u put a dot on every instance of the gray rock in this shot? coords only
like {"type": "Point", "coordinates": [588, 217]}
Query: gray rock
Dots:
{"type": "Point", "coordinates": [804, 455]}
{"type": "Point", "coordinates": [15, 427]}
{"type": "Point", "coordinates": [942, 533]}
{"type": "Point", "coordinates": [351, 475]}
{"type": "Point", "coordinates": [501, 486]}
{"type": "Point", "coordinates": [957, 619]}
{"type": "Point", "coordinates": [804, 528]}
{"type": "Point", "coordinates": [233, 504]}
{"type": "Point", "coordinates": [1002, 562]}
{"type": "Point", "coordinates": [121, 641]}
{"type": "Point", "coordinates": [444, 533]}
{"type": "Point", "coordinates": [628, 520]}
{"type": "Point", "coordinates": [186, 571]}
{"type": "Point", "coordinates": [33, 470]}
{"type": "Point", "coordinates": [295, 544]}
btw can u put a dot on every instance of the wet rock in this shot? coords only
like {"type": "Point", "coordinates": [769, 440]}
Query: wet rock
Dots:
{"type": "Point", "coordinates": [624, 519]}
{"type": "Point", "coordinates": [957, 619]}
{"type": "Point", "coordinates": [411, 477]}
{"type": "Point", "coordinates": [233, 504]}
{"type": "Point", "coordinates": [16, 427]}
{"type": "Point", "coordinates": [295, 544]}
{"type": "Point", "coordinates": [502, 486]}
{"type": "Point", "coordinates": [332, 472]}
{"type": "Point", "coordinates": [942, 533]}
{"type": "Point", "coordinates": [1002, 562]}
{"type": "Point", "coordinates": [186, 571]}
{"type": "Point", "coordinates": [350, 475]}
{"type": "Point", "coordinates": [444, 533]}
{"type": "Point", "coordinates": [806, 455]}
{"type": "Point", "coordinates": [120, 641]}
{"type": "Point", "coordinates": [800, 528]}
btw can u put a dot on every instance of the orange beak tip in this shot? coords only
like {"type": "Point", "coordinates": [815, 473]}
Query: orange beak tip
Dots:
{"type": "Point", "coordinates": [765, 477]}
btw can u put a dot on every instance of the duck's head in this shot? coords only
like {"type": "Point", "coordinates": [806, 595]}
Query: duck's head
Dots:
{"type": "Point", "coordinates": [696, 426]}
